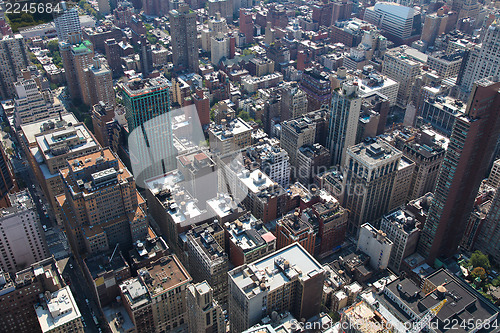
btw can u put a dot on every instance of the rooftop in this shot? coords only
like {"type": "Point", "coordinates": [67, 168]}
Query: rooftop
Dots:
{"type": "Point", "coordinates": [275, 270]}
{"type": "Point", "coordinates": [164, 275]}
{"type": "Point", "coordinates": [136, 87]}
{"type": "Point", "coordinates": [463, 302]}
{"type": "Point", "coordinates": [365, 319]}
{"type": "Point", "coordinates": [60, 309]}
{"type": "Point", "coordinates": [373, 152]}
{"type": "Point", "coordinates": [100, 264]}
{"type": "Point", "coordinates": [248, 233]}
{"type": "Point", "coordinates": [20, 201]}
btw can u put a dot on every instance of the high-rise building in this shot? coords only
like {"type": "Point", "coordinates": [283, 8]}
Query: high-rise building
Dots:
{"type": "Point", "coordinates": [296, 133]}
{"type": "Point", "coordinates": [32, 104]}
{"type": "Point", "coordinates": [102, 114]}
{"type": "Point", "coordinates": [376, 245]}
{"type": "Point", "coordinates": [480, 62]}
{"type": "Point", "coordinates": [101, 205]}
{"type": "Point", "coordinates": [287, 280]}
{"type": "Point", "coordinates": [207, 259]}
{"type": "Point", "coordinates": [401, 228]}
{"type": "Point", "coordinates": [6, 178]}
{"type": "Point", "coordinates": [465, 163]}
{"type": "Point", "coordinates": [249, 240]}
{"type": "Point", "coordinates": [494, 177]}
{"type": "Point", "coordinates": [399, 22]}
{"type": "Point", "coordinates": [427, 151]}
{"type": "Point", "coordinates": [219, 46]}
{"type": "Point", "coordinates": [224, 7]}
{"type": "Point", "coordinates": [246, 25]}
{"type": "Point", "coordinates": [272, 160]}
{"type": "Point", "coordinates": [293, 102]}
{"type": "Point", "coordinates": [369, 172]}
{"type": "Point", "coordinates": [48, 144]}
{"type": "Point", "coordinates": [145, 56]}
{"type": "Point", "coordinates": [291, 228]}
{"type": "Point", "coordinates": [25, 287]}
{"type": "Point", "coordinates": [104, 271]}
{"type": "Point", "coordinates": [311, 161]}
{"type": "Point", "coordinates": [15, 58]}
{"type": "Point", "coordinates": [104, 7]}
{"type": "Point", "coordinates": [434, 25]}
{"type": "Point", "coordinates": [317, 87]}
{"type": "Point", "coordinates": [184, 38]}
{"type": "Point", "coordinates": [156, 300]}
{"type": "Point", "coordinates": [99, 83]}
{"type": "Point", "coordinates": [332, 220]}
{"type": "Point", "coordinates": [58, 312]}
{"type": "Point", "coordinates": [112, 49]}
{"type": "Point", "coordinates": [67, 22]}
{"type": "Point", "coordinates": [230, 136]}
{"type": "Point", "coordinates": [147, 105]}
{"type": "Point", "coordinates": [488, 240]}
{"type": "Point", "coordinates": [402, 183]}
{"type": "Point", "coordinates": [204, 313]}
{"type": "Point", "coordinates": [344, 116]}
{"type": "Point", "coordinates": [22, 241]}
{"type": "Point", "coordinates": [402, 69]}
{"type": "Point", "coordinates": [77, 56]}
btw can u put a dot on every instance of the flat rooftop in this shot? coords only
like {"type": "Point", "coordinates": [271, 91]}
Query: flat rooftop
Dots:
{"type": "Point", "coordinates": [164, 275]}
{"type": "Point", "coordinates": [277, 268]}
{"type": "Point", "coordinates": [372, 152]}
{"type": "Point", "coordinates": [32, 129]}
{"type": "Point", "coordinates": [61, 309]}
{"type": "Point", "coordinates": [463, 303]}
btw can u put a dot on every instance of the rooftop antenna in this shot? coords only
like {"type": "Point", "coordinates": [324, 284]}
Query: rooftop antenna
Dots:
{"type": "Point", "coordinates": [113, 252]}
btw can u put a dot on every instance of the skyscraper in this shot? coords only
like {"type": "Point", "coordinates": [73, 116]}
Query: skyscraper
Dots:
{"type": "Point", "coordinates": [246, 25]}
{"type": "Point", "coordinates": [21, 239]}
{"type": "Point", "coordinates": [77, 56]}
{"type": "Point", "coordinates": [184, 38]}
{"type": "Point", "coordinates": [67, 22]}
{"type": "Point", "coordinates": [147, 108]}
{"type": "Point", "coordinates": [465, 163]}
{"type": "Point", "coordinates": [369, 173]}
{"type": "Point", "coordinates": [101, 205]}
{"type": "Point", "coordinates": [6, 177]}
{"type": "Point", "coordinates": [113, 56]}
{"type": "Point", "coordinates": [344, 117]}
{"type": "Point", "coordinates": [480, 62]}
{"type": "Point", "coordinates": [99, 83]}
{"type": "Point", "coordinates": [14, 59]}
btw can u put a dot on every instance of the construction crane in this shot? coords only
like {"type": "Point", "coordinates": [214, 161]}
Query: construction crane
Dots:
{"type": "Point", "coordinates": [426, 319]}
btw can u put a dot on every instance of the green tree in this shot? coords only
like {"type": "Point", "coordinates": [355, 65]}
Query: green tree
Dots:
{"type": "Point", "coordinates": [53, 46]}
{"type": "Point", "coordinates": [496, 282]}
{"type": "Point", "coordinates": [479, 259]}
{"type": "Point", "coordinates": [244, 115]}
{"type": "Point", "coordinates": [479, 272]}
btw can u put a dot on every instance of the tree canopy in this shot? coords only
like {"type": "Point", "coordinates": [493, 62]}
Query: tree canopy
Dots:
{"type": "Point", "coordinates": [479, 259]}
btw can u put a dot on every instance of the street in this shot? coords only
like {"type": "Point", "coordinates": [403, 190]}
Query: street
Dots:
{"type": "Point", "coordinates": [81, 292]}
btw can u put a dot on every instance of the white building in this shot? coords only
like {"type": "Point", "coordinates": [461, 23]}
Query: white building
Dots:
{"type": "Point", "coordinates": [397, 20]}
{"type": "Point", "coordinates": [32, 105]}
{"type": "Point", "coordinates": [59, 313]}
{"type": "Point", "coordinates": [376, 245]}
{"type": "Point", "coordinates": [400, 67]}
{"type": "Point", "coordinates": [482, 61]}
{"type": "Point", "coordinates": [219, 46]}
{"type": "Point", "coordinates": [67, 22]}
{"type": "Point", "coordinates": [22, 242]}
{"type": "Point", "coordinates": [381, 84]}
